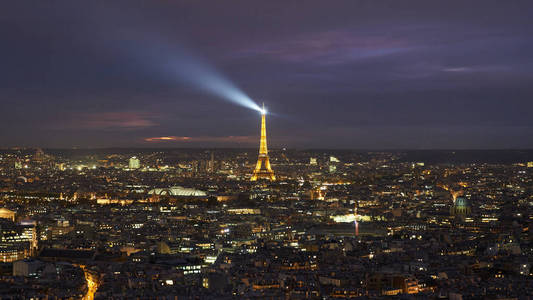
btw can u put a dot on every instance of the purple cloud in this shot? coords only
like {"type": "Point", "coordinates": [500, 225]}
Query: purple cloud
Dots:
{"type": "Point", "coordinates": [109, 121]}
{"type": "Point", "coordinates": [330, 47]}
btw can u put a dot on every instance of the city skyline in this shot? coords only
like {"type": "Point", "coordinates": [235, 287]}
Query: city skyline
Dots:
{"type": "Point", "coordinates": [195, 224]}
{"type": "Point", "coordinates": [136, 163]}
{"type": "Point", "coordinates": [374, 75]}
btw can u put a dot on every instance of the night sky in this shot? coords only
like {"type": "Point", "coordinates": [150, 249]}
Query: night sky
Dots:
{"type": "Point", "coordinates": [333, 74]}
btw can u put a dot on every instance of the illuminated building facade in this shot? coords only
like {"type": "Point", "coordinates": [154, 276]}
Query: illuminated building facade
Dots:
{"type": "Point", "coordinates": [7, 214]}
{"type": "Point", "coordinates": [17, 241]}
{"type": "Point", "coordinates": [262, 168]}
{"type": "Point", "coordinates": [461, 207]}
{"type": "Point", "coordinates": [134, 163]}
{"type": "Point", "coordinates": [11, 254]}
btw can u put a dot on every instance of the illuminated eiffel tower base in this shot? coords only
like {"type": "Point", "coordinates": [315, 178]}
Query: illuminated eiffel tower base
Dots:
{"type": "Point", "coordinates": [262, 168]}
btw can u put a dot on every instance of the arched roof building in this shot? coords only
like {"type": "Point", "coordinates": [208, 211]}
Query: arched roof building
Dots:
{"type": "Point", "coordinates": [177, 191]}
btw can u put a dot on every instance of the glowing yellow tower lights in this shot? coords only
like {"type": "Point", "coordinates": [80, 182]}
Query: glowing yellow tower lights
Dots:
{"type": "Point", "coordinates": [262, 168]}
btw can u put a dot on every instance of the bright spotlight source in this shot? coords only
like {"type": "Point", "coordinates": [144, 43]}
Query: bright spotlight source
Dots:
{"type": "Point", "coordinates": [263, 109]}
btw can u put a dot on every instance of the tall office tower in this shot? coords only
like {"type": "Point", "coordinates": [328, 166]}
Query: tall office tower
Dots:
{"type": "Point", "coordinates": [262, 168]}
{"type": "Point", "coordinates": [212, 163]}
{"type": "Point", "coordinates": [135, 163]}
{"type": "Point", "coordinates": [39, 155]}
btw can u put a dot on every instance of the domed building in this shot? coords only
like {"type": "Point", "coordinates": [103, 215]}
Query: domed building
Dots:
{"type": "Point", "coordinates": [461, 207]}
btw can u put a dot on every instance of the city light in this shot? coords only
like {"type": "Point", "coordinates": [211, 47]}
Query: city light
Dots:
{"type": "Point", "coordinates": [135, 163]}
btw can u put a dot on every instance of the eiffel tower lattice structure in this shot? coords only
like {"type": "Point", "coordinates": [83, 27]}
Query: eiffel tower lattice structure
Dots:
{"type": "Point", "coordinates": [262, 168]}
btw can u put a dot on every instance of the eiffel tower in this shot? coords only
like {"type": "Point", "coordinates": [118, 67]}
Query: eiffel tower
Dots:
{"type": "Point", "coordinates": [262, 168]}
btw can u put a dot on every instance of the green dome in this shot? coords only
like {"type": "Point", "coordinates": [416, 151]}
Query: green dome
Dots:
{"type": "Point", "coordinates": [461, 202]}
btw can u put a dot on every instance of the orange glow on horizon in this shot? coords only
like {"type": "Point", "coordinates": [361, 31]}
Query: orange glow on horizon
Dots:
{"type": "Point", "coordinates": [243, 139]}
{"type": "Point", "coordinates": [167, 138]}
